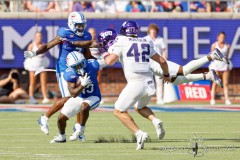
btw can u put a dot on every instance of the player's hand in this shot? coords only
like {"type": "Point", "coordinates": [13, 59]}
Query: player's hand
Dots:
{"type": "Point", "coordinates": [67, 41]}
{"type": "Point", "coordinates": [166, 79]}
{"type": "Point", "coordinates": [85, 80]}
{"type": "Point", "coordinates": [29, 54]}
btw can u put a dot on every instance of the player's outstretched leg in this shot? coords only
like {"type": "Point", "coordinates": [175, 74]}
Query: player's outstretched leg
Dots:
{"type": "Point", "coordinates": [158, 124]}
{"type": "Point", "coordinates": [43, 120]}
{"type": "Point", "coordinates": [195, 64]}
{"type": "Point", "coordinates": [62, 122]}
{"type": "Point", "coordinates": [81, 122]}
{"type": "Point", "coordinates": [128, 121]}
{"type": "Point", "coordinates": [211, 75]}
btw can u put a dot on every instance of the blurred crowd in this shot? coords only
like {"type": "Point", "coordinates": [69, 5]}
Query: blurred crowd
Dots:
{"type": "Point", "coordinates": [119, 6]}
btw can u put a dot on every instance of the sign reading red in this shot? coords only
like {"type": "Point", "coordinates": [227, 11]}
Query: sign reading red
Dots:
{"type": "Point", "coordinates": [194, 92]}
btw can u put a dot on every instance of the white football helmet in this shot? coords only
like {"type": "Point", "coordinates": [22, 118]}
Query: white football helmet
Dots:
{"type": "Point", "coordinates": [76, 61]}
{"type": "Point", "coordinates": [77, 23]}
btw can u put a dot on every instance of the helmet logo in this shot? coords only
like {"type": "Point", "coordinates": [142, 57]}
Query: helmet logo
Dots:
{"type": "Point", "coordinates": [105, 34]}
{"type": "Point", "coordinates": [131, 29]}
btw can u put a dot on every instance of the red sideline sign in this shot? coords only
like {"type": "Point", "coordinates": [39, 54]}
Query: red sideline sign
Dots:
{"type": "Point", "coordinates": [194, 92]}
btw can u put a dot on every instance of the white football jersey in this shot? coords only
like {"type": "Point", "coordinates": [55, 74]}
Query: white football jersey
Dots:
{"type": "Point", "coordinates": [134, 55]}
{"type": "Point", "coordinates": [159, 44]}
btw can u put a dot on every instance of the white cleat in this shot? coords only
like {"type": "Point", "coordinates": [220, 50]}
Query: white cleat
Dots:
{"type": "Point", "coordinates": [59, 139]}
{"type": "Point", "coordinates": [140, 140]}
{"type": "Point", "coordinates": [228, 102]}
{"type": "Point", "coordinates": [212, 102]}
{"type": "Point", "coordinates": [43, 124]}
{"type": "Point", "coordinates": [215, 78]}
{"type": "Point", "coordinates": [217, 55]}
{"type": "Point", "coordinates": [77, 136]}
{"type": "Point", "coordinates": [160, 130]}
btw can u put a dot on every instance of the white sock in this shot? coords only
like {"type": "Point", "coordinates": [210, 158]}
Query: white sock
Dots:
{"type": "Point", "coordinates": [45, 118]}
{"type": "Point", "coordinates": [194, 64]}
{"type": "Point", "coordinates": [62, 136]}
{"type": "Point", "coordinates": [188, 78]}
{"type": "Point", "coordinates": [77, 126]}
{"type": "Point", "coordinates": [82, 128]}
{"type": "Point", "coordinates": [139, 132]}
{"type": "Point", "coordinates": [156, 121]}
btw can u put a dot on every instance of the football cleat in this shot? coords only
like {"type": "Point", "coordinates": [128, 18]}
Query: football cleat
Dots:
{"type": "Point", "coordinates": [217, 55]}
{"type": "Point", "coordinates": [43, 124]}
{"type": "Point", "coordinates": [160, 130]}
{"type": "Point", "coordinates": [212, 102]}
{"type": "Point", "coordinates": [140, 140]}
{"type": "Point", "coordinates": [215, 78]}
{"type": "Point", "coordinates": [77, 136]}
{"type": "Point", "coordinates": [59, 139]}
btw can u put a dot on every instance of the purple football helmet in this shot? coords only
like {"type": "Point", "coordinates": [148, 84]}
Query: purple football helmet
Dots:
{"type": "Point", "coordinates": [106, 38]}
{"type": "Point", "coordinates": [130, 28]}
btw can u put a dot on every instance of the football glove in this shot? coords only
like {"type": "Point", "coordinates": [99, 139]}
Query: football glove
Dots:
{"type": "Point", "coordinates": [85, 80]}
{"type": "Point", "coordinates": [29, 54]}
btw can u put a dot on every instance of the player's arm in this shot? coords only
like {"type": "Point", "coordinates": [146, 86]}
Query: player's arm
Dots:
{"type": "Point", "coordinates": [83, 44]}
{"type": "Point", "coordinates": [74, 89]}
{"type": "Point", "coordinates": [163, 63]}
{"type": "Point", "coordinates": [45, 47]}
{"type": "Point", "coordinates": [87, 54]}
{"type": "Point", "coordinates": [110, 59]}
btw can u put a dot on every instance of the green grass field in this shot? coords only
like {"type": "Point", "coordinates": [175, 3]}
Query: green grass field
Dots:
{"type": "Point", "coordinates": [21, 138]}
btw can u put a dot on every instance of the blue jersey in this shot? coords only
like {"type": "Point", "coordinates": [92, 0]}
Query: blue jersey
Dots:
{"type": "Point", "coordinates": [64, 48]}
{"type": "Point", "coordinates": [92, 67]}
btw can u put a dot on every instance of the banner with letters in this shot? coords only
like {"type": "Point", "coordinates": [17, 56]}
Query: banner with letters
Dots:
{"type": "Point", "coordinates": [186, 39]}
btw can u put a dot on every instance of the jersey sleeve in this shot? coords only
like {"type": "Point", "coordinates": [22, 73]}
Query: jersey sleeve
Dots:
{"type": "Point", "coordinates": [151, 47]}
{"type": "Point", "coordinates": [95, 64]}
{"type": "Point", "coordinates": [70, 76]}
{"type": "Point", "coordinates": [87, 36]}
{"type": "Point", "coordinates": [62, 32]}
{"type": "Point", "coordinates": [116, 48]}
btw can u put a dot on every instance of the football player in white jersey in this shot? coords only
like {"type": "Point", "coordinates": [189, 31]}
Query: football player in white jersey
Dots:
{"type": "Point", "coordinates": [134, 54]}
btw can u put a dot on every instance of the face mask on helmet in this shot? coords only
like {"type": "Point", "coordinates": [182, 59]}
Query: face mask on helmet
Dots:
{"type": "Point", "coordinates": [79, 28]}
{"type": "Point", "coordinates": [80, 67]}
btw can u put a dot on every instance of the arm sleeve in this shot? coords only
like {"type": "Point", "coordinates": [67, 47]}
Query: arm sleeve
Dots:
{"type": "Point", "coordinates": [87, 36]}
{"type": "Point", "coordinates": [70, 76]}
{"type": "Point", "coordinates": [61, 32]}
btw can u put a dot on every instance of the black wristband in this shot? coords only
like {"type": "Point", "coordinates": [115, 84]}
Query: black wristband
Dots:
{"type": "Point", "coordinates": [166, 75]}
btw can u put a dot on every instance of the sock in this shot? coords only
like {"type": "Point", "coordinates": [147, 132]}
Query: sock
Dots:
{"type": "Point", "coordinates": [208, 76]}
{"type": "Point", "coordinates": [188, 78]}
{"type": "Point", "coordinates": [45, 118]}
{"type": "Point", "coordinates": [62, 136]}
{"type": "Point", "coordinates": [139, 132]}
{"type": "Point", "coordinates": [77, 126]}
{"type": "Point", "coordinates": [82, 128]}
{"type": "Point", "coordinates": [194, 64]}
{"type": "Point", "coordinates": [156, 121]}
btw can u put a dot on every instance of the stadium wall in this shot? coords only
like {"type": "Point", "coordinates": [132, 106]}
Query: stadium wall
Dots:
{"type": "Point", "coordinates": [188, 36]}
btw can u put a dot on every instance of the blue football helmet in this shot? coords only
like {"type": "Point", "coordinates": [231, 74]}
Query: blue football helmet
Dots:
{"type": "Point", "coordinates": [76, 61]}
{"type": "Point", "coordinates": [106, 38]}
{"type": "Point", "coordinates": [130, 28]}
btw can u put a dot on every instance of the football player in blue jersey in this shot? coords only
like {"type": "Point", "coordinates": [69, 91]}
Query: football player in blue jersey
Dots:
{"type": "Point", "coordinates": [81, 77]}
{"type": "Point", "coordinates": [71, 38]}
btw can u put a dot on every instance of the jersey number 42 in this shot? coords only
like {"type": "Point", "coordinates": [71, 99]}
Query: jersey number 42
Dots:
{"type": "Point", "coordinates": [139, 50]}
